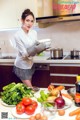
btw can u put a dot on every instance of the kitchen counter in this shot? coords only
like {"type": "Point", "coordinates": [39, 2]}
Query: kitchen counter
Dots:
{"type": "Point", "coordinates": [8, 110]}
{"type": "Point", "coordinates": [41, 59]}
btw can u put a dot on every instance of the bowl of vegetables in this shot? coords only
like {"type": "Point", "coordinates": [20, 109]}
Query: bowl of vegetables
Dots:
{"type": "Point", "coordinates": [48, 109]}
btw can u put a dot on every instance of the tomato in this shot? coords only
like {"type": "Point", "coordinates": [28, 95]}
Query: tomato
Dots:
{"type": "Point", "coordinates": [30, 109]}
{"type": "Point", "coordinates": [34, 103]}
{"type": "Point", "coordinates": [20, 102]}
{"type": "Point", "coordinates": [20, 108]}
{"type": "Point", "coordinates": [26, 101]}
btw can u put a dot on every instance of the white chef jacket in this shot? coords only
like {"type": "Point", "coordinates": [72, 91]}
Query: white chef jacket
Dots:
{"type": "Point", "coordinates": [22, 41]}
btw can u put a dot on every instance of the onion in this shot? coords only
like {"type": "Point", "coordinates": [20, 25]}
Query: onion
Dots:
{"type": "Point", "coordinates": [59, 102]}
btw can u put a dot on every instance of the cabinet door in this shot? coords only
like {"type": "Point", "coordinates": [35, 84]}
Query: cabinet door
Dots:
{"type": "Point", "coordinates": [41, 78]}
{"type": "Point", "coordinates": [66, 81]}
{"type": "Point", "coordinates": [7, 76]}
{"type": "Point", "coordinates": [65, 69]}
{"type": "Point", "coordinates": [7, 14]}
{"type": "Point", "coordinates": [25, 4]}
{"type": "Point", "coordinates": [64, 75]}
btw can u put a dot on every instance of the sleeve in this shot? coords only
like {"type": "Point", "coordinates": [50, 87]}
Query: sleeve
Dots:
{"type": "Point", "coordinates": [20, 47]}
{"type": "Point", "coordinates": [36, 39]}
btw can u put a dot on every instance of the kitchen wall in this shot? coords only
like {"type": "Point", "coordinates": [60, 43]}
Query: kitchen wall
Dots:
{"type": "Point", "coordinates": [64, 35]}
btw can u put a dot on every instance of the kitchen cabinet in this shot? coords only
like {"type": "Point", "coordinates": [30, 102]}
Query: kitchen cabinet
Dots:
{"type": "Point", "coordinates": [7, 76]}
{"type": "Point", "coordinates": [41, 77]}
{"type": "Point", "coordinates": [11, 10]}
{"type": "Point", "coordinates": [64, 74]}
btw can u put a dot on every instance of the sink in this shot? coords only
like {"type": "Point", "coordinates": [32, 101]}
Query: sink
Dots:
{"type": "Point", "coordinates": [7, 57]}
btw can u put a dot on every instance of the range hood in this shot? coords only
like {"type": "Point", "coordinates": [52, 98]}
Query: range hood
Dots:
{"type": "Point", "coordinates": [58, 10]}
{"type": "Point", "coordinates": [51, 19]}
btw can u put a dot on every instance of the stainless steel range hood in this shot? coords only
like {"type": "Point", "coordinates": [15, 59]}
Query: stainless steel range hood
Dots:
{"type": "Point", "coordinates": [50, 19]}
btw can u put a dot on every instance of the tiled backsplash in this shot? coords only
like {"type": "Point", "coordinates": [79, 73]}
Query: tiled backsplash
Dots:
{"type": "Point", "coordinates": [64, 35]}
{"type": "Point", "coordinates": [5, 44]}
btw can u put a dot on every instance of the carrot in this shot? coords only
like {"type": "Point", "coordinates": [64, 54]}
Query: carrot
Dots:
{"type": "Point", "coordinates": [74, 112]}
{"type": "Point", "coordinates": [67, 95]}
{"type": "Point", "coordinates": [60, 87]}
{"type": "Point", "coordinates": [78, 117]}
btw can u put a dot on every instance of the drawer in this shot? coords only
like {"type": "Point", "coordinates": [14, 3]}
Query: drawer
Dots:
{"type": "Point", "coordinates": [65, 69]}
{"type": "Point", "coordinates": [63, 79]}
{"type": "Point", "coordinates": [68, 82]}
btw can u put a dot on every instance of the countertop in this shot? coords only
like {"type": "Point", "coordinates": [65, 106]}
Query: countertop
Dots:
{"type": "Point", "coordinates": [10, 116]}
{"type": "Point", "coordinates": [40, 59]}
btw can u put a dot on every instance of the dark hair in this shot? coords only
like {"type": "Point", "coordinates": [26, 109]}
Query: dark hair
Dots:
{"type": "Point", "coordinates": [25, 13]}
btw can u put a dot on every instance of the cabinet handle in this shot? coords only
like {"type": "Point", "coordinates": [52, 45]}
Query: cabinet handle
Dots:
{"type": "Point", "coordinates": [64, 65]}
{"type": "Point", "coordinates": [73, 85]}
{"type": "Point", "coordinates": [69, 75]}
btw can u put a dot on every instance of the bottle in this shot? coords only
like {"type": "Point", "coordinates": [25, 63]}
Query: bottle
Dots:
{"type": "Point", "coordinates": [77, 95]}
{"type": "Point", "coordinates": [78, 84]}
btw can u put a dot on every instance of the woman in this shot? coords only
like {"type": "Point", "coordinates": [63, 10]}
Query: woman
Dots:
{"type": "Point", "coordinates": [25, 38]}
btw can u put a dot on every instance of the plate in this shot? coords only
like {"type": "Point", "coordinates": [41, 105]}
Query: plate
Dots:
{"type": "Point", "coordinates": [36, 88]}
{"type": "Point", "coordinates": [52, 109]}
{"type": "Point", "coordinates": [65, 107]}
{"type": "Point", "coordinates": [44, 40]}
{"type": "Point", "coordinates": [24, 115]}
{"type": "Point", "coordinates": [3, 103]}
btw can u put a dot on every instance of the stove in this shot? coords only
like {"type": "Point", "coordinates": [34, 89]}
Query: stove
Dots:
{"type": "Point", "coordinates": [69, 57]}
{"type": "Point", "coordinates": [56, 58]}
{"type": "Point", "coordinates": [66, 57]}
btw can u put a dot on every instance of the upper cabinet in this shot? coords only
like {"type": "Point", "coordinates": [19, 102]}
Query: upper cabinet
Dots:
{"type": "Point", "coordinates": [11, 10]}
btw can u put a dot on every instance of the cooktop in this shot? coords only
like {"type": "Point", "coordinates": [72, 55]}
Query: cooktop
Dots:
{"type": "Point", "coordinates": [58, 58]}
{"type": "Point", "coordinates": [69, 57]}
{"type": "Point", "coordinates": [66, 57]}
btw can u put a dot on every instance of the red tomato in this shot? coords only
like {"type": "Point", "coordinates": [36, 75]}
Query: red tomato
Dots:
{"type": "Point", "coordinates": [20, 108]}
{"type": "Point", "coordinates": [30, 109]}
{"type": "Point", "coordinates": [20, 102]}
{"type": "Point", "coordinates": [34, 103]}
{"type": "Point", "coordinates": [26, 101]}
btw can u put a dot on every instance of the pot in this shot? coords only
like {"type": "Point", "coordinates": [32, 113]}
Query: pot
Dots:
{"type": "Point", "coordinates": [75, 53]}
{"type": "Point", "coordinates": [56, 53]}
